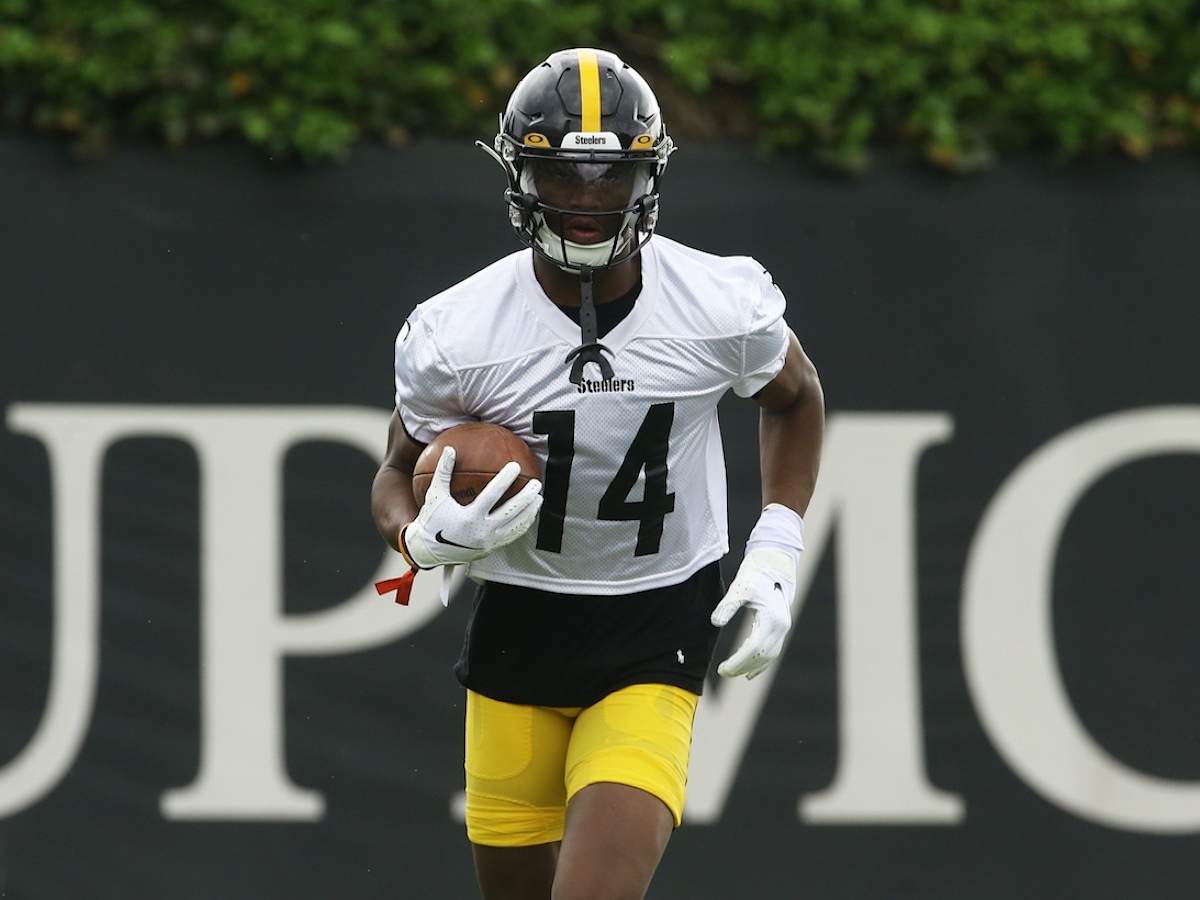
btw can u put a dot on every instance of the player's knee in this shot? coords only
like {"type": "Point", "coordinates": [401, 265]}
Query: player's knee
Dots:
{"type": "Point", "coordinates": [596, 886]}
{"type": "Point", "coordinates": [515, 873]}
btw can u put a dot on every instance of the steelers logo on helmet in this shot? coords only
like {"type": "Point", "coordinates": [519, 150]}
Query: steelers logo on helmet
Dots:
{"type": "Point", "coordinates": [584, 147]}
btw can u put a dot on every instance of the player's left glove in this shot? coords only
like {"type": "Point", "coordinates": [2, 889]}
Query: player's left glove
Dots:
{"type": "Point", "coordinates": [766, 584]}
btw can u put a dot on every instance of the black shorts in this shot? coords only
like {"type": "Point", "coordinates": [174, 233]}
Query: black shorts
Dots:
{"type": "Point", "coordinates": [541, 648]}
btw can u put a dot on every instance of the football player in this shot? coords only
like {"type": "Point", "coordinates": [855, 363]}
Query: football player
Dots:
{"type": "Point", "coordinates": [600, 597]}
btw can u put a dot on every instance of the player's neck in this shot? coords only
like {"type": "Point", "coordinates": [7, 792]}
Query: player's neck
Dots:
{"type": "Point", "coordinates": [563, 287]}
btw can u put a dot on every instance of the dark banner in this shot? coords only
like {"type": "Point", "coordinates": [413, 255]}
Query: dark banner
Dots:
{"type": "Point", "coordinates": [991, 691]}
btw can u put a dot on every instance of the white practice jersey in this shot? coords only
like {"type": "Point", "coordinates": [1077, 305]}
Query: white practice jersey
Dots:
{"type": "Point", "coordinates": [634, 473]}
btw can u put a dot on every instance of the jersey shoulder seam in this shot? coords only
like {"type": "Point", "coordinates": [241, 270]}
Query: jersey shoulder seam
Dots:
{"type": "Point", "coordinates": [445, 361]}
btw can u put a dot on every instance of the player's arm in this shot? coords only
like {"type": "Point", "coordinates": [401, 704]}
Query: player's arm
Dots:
{"type": "Point", "coordinates": [790, 428]}
{"type": "Point", "coordinates": [441, 532]}
{"type": "Point", "coordinates": [791, 425]}
{"type": "Point", "coordinates": [392, 503]}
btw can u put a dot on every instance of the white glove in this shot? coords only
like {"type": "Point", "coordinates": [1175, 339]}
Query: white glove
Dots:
{"type": "Point", "coordinates": [446, 533]}
{"type": "Point", "coordinates": [766, 583]}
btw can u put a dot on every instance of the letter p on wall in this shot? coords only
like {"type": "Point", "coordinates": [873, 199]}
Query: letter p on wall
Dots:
{"type": "Point", "coordinates": [245, 635]}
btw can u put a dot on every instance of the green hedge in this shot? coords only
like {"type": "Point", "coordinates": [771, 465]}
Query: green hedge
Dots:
{"type": "Point", "coordinates": [955, 81]}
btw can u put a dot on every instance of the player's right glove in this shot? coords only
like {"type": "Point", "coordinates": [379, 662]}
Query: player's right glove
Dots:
{"type": "Point", "coordinates": [446, 533]}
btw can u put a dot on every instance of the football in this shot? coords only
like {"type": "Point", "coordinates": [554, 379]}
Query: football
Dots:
{"type": "Point", "coordinates": [481, 450]}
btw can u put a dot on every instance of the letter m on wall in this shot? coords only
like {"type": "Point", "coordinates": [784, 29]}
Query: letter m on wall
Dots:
{"type": "Point", "coordinates": [867, 490]}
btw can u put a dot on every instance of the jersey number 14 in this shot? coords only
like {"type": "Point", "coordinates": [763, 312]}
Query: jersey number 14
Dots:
{"type": "Point", "coordinates": [648, 451]}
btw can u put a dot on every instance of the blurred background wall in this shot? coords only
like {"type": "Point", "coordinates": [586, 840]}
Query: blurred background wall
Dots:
{"type": "Point", "coordinates": [983, 217]}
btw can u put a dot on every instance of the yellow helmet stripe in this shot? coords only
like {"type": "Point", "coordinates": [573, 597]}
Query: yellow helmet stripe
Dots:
{"type": "Point", "coordinates": [589, 90]}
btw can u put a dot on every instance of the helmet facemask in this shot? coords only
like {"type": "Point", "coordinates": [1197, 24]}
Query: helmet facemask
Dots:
{"type": "Point", "coordinates": [585, 212]}
{"type": "Point", "coordinates": [628, 181]}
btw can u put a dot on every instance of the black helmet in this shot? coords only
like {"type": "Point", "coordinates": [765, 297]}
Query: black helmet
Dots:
{"type": "Point", "coordinates": [587, 112]}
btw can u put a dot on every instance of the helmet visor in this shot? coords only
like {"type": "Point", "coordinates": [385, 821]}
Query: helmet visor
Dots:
{"type": "Point", "coordinates": [586, 201]}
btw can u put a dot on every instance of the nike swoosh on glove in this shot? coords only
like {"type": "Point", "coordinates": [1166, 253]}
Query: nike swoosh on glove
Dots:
{"type": "Point", "coordinates": [766, 584]}
{"type": "Point", "coordinates": [446, 533]}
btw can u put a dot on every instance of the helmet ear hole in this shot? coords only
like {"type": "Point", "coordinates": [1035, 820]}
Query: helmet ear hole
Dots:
{"type": "Point", "coordinates": [529, 205]}
{"type": "Point", "coordinates": [521, 207]}
{"type": "Point", "coordinates": [649, 212]}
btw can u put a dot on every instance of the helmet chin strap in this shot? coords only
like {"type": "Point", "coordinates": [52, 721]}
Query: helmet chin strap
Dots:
{"type": "Point", "coordinates": [591, 350]}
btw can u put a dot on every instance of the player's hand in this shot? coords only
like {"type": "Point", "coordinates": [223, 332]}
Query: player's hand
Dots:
{"type": "Point", "coordinates": [447, 533]}
{"type": "Point", "coordinates": [766, 584]}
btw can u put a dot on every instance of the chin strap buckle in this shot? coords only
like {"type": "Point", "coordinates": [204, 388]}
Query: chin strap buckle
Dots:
{"type": "Point", "coordinates": [589, 353]}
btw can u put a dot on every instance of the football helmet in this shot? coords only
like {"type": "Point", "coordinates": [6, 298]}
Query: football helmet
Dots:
{"type": "Point", "coordinates": [584, 147]}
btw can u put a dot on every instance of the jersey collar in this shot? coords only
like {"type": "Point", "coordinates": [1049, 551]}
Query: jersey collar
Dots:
{"type": "Point", "coordinates": [566, 330]}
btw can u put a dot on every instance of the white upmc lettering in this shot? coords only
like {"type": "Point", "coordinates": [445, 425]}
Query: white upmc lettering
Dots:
{"type": "Point", "coordinates": [867, 482]}
{"type": "Point", "coordinates": [244, 631]}
{"type": "Point", "coordinates": [1007, 636]}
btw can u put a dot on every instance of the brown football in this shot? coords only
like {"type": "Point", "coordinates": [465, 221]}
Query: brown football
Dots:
{"type": "Point", "coordinates": [480, 451]}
